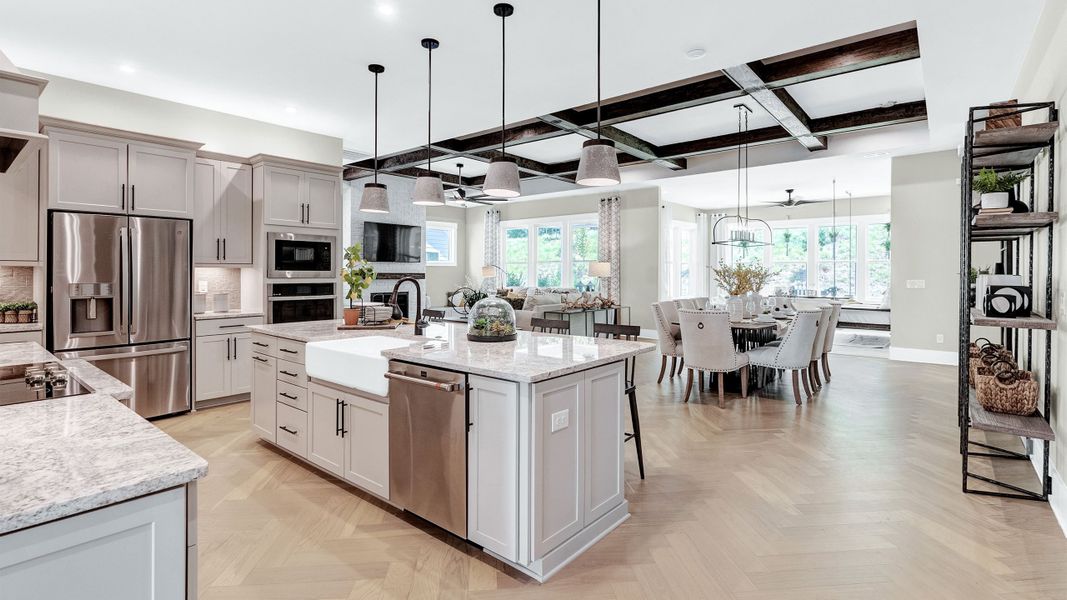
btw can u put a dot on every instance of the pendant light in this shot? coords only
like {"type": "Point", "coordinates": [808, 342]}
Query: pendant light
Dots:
{"type": "Point", "coordinates": [428, 188]}
{"type": "Point", "coordinates": [375, 197]}
{"type": "Point", "coordinates": [599, 165]}
{"type": "Point", "coordinates": [502, 178]}
{"type": "Point", "coordinates": [743, 231]}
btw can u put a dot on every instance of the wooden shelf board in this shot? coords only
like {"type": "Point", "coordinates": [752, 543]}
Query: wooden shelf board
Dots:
{"type": "Point", "coordinates": [1031, 322]}
{"type": "Point", "coordinates": [1015, 220]}
{"type": "Point", "coordinates": [1017, 158]}
{"type": "Point", "coordinates": [1038, 133]}
{"type": "Point", "coordinates": [1031, 427]}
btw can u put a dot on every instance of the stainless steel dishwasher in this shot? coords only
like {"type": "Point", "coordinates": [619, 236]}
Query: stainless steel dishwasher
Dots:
{"type": "Point", "coordinates": [428, 444]}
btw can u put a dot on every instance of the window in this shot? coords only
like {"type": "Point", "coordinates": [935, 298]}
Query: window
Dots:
{"type": "Point", "coordinates": [551, 252]}
{"type": "Point", "coordinates": [789, 256]}
{"type": "Point", "coordinates": [681, 251]}
{"type": "Point", "coordinates": [440, 244]}
{"type": "Point", "coordinates": [516, 255]}
{"type": "Point", "coordinates": [837, 261]}
{"type": "Point", "coordinates": [877, 270]}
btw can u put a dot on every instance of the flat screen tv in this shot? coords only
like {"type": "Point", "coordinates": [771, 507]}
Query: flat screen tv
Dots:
{"type": "Point", "coordinates": [386, 242]}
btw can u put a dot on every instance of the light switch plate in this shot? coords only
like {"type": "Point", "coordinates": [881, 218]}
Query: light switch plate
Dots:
{"type": "Point", "coordinates": [561, 420]}
{"type": "Point", "coordinates": [916, 284]}
{"type": "Point", "coordinates": [940, 338]}
{"type": "Point", "coordinates": [201, 286]}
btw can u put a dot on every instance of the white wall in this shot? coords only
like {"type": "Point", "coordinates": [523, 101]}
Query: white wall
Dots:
{"type": "Point", "coordinates": [219, 132]}
{"type": "Point", "coordinates": [640, 238]}
{"type": "Point", "coordinates": [442, 279]}
{"type": "Point", "coordinates": [926, 247]}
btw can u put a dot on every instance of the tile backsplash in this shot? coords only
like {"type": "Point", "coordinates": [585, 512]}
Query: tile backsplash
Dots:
{"type": "Point", "coordinates": [16, 284]}
{"type": "Point", "coordinates": [219, 280]}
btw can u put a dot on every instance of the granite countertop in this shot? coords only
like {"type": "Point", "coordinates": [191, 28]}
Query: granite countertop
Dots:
{"type": "Point", "coordinates": [230, 314]}
{"type": "Point", "coordinates": [66, 456]}
{"type": "Point", "coordinates": [21, 353]}
{"type": "Point", "coordinates": [20, 327]}
{"type": "Point", "coordinates": [532, 357]}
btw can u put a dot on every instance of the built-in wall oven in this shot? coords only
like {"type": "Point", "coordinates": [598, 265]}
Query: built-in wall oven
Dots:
{"type": "Point", "coordinates": [293, 302]}
{"type": "Point", "coordinates": [300, 256]}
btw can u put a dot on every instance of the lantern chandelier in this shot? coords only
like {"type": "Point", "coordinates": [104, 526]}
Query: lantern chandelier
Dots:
{"type": "Point", "coordinates": [742, 231]}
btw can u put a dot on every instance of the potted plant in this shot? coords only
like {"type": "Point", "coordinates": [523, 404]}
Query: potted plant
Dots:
{"type": "Point", "coordinates": [358, 274]}
{"type": "Point", "coordinates": [8, 313]}
{"type": "Point", "coordinates": [996, 190]}
{"type": "Point", "coordinates": [739, 280]}
{"type": "Point", "coordinates": [25, 311]}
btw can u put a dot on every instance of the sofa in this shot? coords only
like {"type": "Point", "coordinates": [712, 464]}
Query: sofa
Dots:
{"type": "Point", "coordinates": [530, 303]}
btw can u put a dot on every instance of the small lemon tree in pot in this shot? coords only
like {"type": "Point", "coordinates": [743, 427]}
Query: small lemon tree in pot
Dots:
{"type": "Point", "coordinates": [358, 274]}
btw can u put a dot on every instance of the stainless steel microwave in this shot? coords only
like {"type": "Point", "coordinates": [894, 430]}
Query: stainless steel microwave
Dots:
{"type": "Point", "coordinates": [300, 256]}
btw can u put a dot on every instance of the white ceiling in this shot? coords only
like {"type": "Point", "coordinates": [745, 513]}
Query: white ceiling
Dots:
{"type": "Point", "coordinates": [896, 83]}
{"type": "Point", "coordinates": [557, 149]}
{"type": "Point", "coordinates": [260, 59]}
{"type": "Point", "coordinates": [811, 180]}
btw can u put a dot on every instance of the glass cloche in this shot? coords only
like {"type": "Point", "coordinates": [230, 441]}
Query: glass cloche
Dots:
{"type": "Point", "coordinates": [491, 319]}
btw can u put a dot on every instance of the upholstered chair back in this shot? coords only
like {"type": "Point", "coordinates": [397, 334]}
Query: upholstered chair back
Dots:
{"type": "Point", "coordinates": [795, 350]}
{"type": "Point", "coordinates": [709, 344]}
{"type": "Point", "coordinates": [835, 316]}
{"type": "Point", "coordinates": [687, 303]}
{"type": "Point", "coordinates": [820, 334]}
{"type": "Point", "coordinates": [664, 331]}
{"type": "Point", "coordinates": [701, 303]}
{"type": "Point", "coordinates": [670, 314]}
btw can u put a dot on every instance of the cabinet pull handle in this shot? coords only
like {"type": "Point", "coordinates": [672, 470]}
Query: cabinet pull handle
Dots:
{"type": "Point", "coordinates": [133, 196]}
{"type": "Point", "coordinates": [284, 395]}
{"type": "Point", "coordinates": [288, 351]}
{"type": "Point", "coordinates": [217, 253]}
{"type": "Point", "coordinates": [228, 348]}
{"type": "Point", "coordinates": [287, 373]}
{"type": "Point", "coordinates": [122, 196]}
{"type": "Point", "coordinates": [259, 359]}
{"type": "Point", "coordinates": [287, 430]}
{"type": "Point", "coordinates": [337, 417]}
{"type": "Point", "coordinates": [260, 344]}
{"type": "Point", "coordinates": [231, 327]}
{"type": "Point", "coordinates": [223, 248]}
{"type": "Point", "coordinates": [235, 348]}
{"type": "Point", "coordinates": [343, 430]}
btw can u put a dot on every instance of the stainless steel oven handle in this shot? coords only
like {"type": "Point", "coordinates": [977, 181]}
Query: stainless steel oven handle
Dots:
{"type": "Point", "coordinates": [437, 385]}
{"type": "Point", "coordinates": [287, 298]}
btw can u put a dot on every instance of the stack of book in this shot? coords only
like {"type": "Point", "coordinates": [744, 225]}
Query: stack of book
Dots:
{"type": "Point", "coordinates": [995, 211]}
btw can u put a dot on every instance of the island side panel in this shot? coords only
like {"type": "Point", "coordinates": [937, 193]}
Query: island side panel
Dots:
{"type": "Point", "coordinates": [493, 466]}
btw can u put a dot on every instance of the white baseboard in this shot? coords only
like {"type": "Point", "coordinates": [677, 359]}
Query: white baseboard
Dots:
{"type": "Point", "coordinates": [1058, 495]}
{"type": "Point", "coordinates": [920, 355]}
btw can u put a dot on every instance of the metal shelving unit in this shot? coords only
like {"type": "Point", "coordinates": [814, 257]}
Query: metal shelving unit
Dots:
{"type": "Point", "coordinates": [1007, 149]}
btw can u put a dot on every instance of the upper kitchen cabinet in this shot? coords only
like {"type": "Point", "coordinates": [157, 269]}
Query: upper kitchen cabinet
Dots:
{"type": "Point", "coordinates": [97, 169]}
{"type": "Point", "coordinates": [222, 220]}
{"type": "Point", "coordinates": [20, 226]}
{"type": "Point", "coordinates": [296, 193]}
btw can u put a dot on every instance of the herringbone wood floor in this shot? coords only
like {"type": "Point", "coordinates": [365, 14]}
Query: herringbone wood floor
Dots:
{"type": "Point", "coordinates": [855, 495]}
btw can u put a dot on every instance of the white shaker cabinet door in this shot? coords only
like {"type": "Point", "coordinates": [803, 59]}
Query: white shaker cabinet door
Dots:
{"type": "Point", "coordinates": [603, 435]}
{"type": "Point", "coordinates": [207, 217]}
{"type": "Point", "coordinates": [86, 173]}
{"type": "Point", "coordinates": [264, 396]}
{"type": "Point", "coordinates": [19, 205]}
{"type": "Point", "coordinates": [235, 206]}
{"type": "Point", "coordinates": [285, 196]}
{"type": "Point", "coordinates": [366, 427]}
{"type": "Point", "coordinates": [213, 366]}
{"type": "Point", "coordinates": [241, 364]}
{"type": "Point", "coordinates": [493, 466]}
{"type": "Point", "coordinates": [323, 201]}
{"type": "Point", "coordinates": [326, 447]}
{"type": "Point", "coordinates": [161, 181]}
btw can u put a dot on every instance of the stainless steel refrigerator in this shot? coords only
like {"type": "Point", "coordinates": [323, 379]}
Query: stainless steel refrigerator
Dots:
{"type": "Point", "coordinates": [120, 289]}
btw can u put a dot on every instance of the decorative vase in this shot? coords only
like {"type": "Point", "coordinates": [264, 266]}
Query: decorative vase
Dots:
{"type": "Point", "coordinates": [995, 200]}
{"type": "Point", "coordinates": [352, 316]}
{"type": "Point", "coordinates": [752, 304]}
{"type": "Point", "coordinates": [735, 305]}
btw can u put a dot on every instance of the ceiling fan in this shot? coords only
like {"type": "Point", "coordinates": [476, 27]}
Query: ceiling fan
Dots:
{"type": "Point", "coordinates": [790, 202]}
{"type": "Point", "coordinates": [459, 195]}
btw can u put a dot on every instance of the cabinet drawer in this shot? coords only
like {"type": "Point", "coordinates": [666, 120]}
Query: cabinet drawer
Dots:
{"type": "Point", "coordinates": [264, 344]}
{"type": "Point", "coordinates": [291, 372]}
{"type": "Point", "coordinates": [294, 396]}
{"type": "Point", "coordinates": [290, 350]}
{"type": "Point", "coordinates": [226, 326]}
{"type": "Point", "coordinates": [292, 430]}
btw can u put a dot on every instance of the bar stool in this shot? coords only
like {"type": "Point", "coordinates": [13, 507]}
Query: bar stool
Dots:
{"type": "Point", "coordinates": [628, 333]}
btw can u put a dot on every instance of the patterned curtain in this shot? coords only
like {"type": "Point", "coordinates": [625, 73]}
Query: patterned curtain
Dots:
{"type": "Point", "coordinates": [491, 248]}
{"type": "Point", "coordinates": [610, 242]}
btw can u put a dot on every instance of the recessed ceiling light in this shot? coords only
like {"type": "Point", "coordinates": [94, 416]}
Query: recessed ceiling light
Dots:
{"type": "Point", "coordinates": [290, 109]}
{"type": "Point", "coordinates": [386, 10]}
{"type": "Point", "coordinates": [127, 68]}
{"type": "Point", "coordinates": [695, 53]}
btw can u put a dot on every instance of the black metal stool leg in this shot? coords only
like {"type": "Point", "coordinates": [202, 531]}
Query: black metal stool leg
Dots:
{"type": "Point", "coordinates": [636, 435]}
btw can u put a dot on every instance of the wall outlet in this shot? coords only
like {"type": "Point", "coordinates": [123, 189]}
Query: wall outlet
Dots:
{"type": "Point", "coordinates": [201, 286]}
{"type": "Point", "coordinates": [940, 338]}
{"type": "Point", "coordinates": [916, 284]}
{"type": "Point", "coordinates": [561, 420]}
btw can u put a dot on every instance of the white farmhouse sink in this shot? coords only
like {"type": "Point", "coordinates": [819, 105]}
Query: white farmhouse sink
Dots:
{"type": "Point", "coordinates": [356, 363]}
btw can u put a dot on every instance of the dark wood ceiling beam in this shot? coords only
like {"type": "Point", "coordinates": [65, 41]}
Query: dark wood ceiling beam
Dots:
{"type": "Point", "coordinates": [449, 180]}
{"type": "Point", "coordinates": [885, 49]}
{"type": "Point", "coordinates": [625, 142]}
{"type": "Point", "coordinates": [778, 103]}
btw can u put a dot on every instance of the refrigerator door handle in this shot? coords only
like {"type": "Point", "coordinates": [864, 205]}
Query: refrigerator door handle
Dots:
{"type": "Point", "coordinates": [124, 280]}
{"type": "Point", "coordinates": [132, 268]}
{"type": "Point", "coordinates": [121, 356]}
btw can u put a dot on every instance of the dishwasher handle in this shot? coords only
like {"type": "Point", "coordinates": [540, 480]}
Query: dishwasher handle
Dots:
{"type": "Point", "coordinates": [437, 385]}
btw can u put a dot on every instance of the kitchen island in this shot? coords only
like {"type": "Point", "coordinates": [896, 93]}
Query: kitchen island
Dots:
{"type": "Point", "coordinates": [95, 501]}
{"type": "Point", "coordinates": [540, 429]}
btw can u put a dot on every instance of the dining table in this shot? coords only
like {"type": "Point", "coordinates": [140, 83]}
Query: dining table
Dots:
{"type": "Point", "coordinates": [749, 334]}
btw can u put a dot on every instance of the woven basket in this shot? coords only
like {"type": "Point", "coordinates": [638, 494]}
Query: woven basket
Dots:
{"type": "Point", "coordinates": [980, 365]}
{"type": "Point", "coordinates": [1009, 391]}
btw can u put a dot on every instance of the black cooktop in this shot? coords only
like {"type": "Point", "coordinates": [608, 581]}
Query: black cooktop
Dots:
{"type": "Point", "coordinates": [37, 381]}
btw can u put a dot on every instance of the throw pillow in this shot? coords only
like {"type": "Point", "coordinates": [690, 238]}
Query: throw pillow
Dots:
{"type": "Point", "coordinates": [516, 303]}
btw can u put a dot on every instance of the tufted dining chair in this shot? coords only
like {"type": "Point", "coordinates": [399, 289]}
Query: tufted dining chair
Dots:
{"type": "Point", "coordinates": [709, 348]}
{"type": "Point", "coordinates": [817, 346]}
{"type": "Point", "coordinates": [687, 303]}
{"type": "Point", "coordinates": [669, 336]}
{"type": "Point", "coordinates": [831, 328]}
{"type": "Point", "coordinates": [702, 302]}
{"type": "Point", "coordinates": [794, 353]}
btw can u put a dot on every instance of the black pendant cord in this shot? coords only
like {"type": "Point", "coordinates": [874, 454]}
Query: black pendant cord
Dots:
{"type": "Point", "coordinates": [746, 168]}
{"type": "Point", "coordinates": [429, 102]}
{"type": "Point", "coordinates": [503, 79]}
{"type": "Point", "coordinates": [739, 163]}
{"type": "Point", "coordinates": [376, 128]}
{"type": "Point", "coordinates": [598, 70]}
